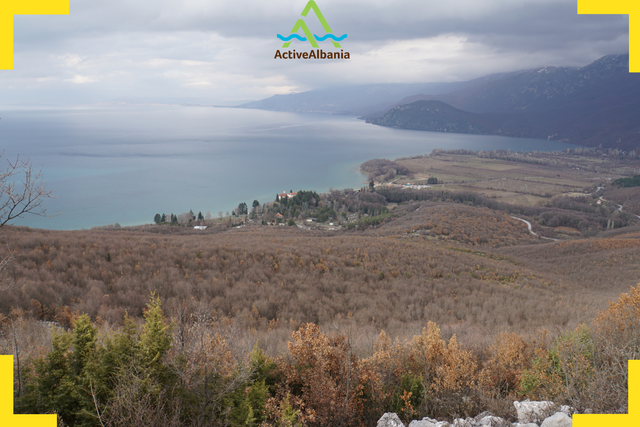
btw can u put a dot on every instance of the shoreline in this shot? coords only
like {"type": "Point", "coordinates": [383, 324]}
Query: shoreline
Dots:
{"type": "Point", "coordinates": [174, 167]}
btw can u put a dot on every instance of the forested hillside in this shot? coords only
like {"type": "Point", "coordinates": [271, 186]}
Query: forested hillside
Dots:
{"type": "Point", "coordinates": [591, 106]}
{"type": "Point", "coordinates": [437, 302]}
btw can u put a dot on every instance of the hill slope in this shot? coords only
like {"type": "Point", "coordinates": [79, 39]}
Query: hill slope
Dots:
{"type": "Point", "coordinates": [436, 116]}
{"type": "Point", "coordinates": [594, 105]}
{"type": "Point", "coordinates": [361, 100]}
{"type": "Point", "coordinates": [357, 100]}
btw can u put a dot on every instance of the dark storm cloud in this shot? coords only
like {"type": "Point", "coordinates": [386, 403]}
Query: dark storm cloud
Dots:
{"type": "Point", "coordinates": [223, 49]}
{"type": "Point", "coordinates": [374, 21]}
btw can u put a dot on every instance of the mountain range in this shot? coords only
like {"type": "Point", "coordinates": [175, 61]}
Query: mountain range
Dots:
{"type": "Point", "coordinates": [596, 105]}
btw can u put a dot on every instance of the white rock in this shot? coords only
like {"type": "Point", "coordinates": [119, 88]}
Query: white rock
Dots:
{"type": "Point", "coordinates": [491, 421]}
{"type": "Point", "coordinates": [569, 410]}
{"type": "Point", "coordinates": [422, 423]}
{"type": "Point", "coordinates": [533, 412]}
{"type": "Point", "coordinates": [459, 422]}
{"type": "Point", "coordinates": [429, 422]}
{"type": "Point", "coordinates": [559, 419]}
{"type": "Point", "coordinates": [390, 419]}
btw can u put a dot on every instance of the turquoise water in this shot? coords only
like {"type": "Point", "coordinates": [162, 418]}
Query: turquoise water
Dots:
{"type": "Point", "coordinates": [125, 164]}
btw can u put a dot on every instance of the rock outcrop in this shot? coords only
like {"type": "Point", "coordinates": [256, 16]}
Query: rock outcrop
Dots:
{"type": "Point", "coordinates": [534, 412]}
{"type": "Point", "coordinates": [389, 419]}
{"type": "Point", "coordinates": [530, 414]}
{"type": "Point", "coordinates": [559, 419]}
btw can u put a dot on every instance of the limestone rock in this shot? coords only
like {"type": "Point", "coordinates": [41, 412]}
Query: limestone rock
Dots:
{"type": "Point", "coordinates": [491, 421]}
{"type": "Point", "coordinates": [559, 419]}
{"type": "Point", "coordinates": [425, 422]}
{"type": "Point", "coordinates": [459, 422]}
{"type": "Point", "coordinates": [390, 419]}
{"type": "Point", "coordinates": [533, 412]}
{"type": "Point", "coordinates": [429, 422]}
{"type": "Point", "coordinates": [569, 410]}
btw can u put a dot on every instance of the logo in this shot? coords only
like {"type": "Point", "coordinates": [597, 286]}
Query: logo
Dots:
{"type": "Point", "coordinates": [313, 39]}
{"type": "Point", "coordinates": [619, 7]}
{"type": "Point", "coordinates": [25, 7]}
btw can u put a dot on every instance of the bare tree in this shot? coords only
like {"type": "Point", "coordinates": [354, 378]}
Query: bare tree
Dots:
{"type": "Point", "coordinates": [21, 190]}
{"type": "Point", "coordinates": [184, 218]}
{"type": "Point", "coordinates": [8, 259]}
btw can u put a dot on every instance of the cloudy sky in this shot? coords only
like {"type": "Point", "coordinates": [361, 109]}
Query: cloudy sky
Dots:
{"type": "Point", "coordinates": [221, 51]}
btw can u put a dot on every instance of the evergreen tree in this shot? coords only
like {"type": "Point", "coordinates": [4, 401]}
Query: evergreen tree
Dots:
{"type": "Point", "coordinates": [65, 381]}
{"type": "Point", "coordinates": [248, 403]}
{"type": "Point", "coordinates": [157, 219]}
{"type": "Point", "coordinates": [155, 340]}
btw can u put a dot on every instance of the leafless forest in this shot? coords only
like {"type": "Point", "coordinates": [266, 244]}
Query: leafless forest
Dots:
{"type": "Point", "coordinates": [447, 306]}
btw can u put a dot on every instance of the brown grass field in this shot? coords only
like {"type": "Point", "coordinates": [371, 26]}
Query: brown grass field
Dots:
{"type": "Point", "coordinates": [519, 178]}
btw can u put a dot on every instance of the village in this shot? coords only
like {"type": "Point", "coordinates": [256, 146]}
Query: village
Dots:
{"type": "Point", "coordinates": [302, 209]}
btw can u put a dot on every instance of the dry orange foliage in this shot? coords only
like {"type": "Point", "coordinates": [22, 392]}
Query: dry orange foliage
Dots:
{"type": "Point", "coordinates": [621, 314]}
{"type": "Point", "coordinates": [509, 356]}
{"type": "Point", "coordinates": [326, 376]}
{"type": "Point", "coordinates": [445, 367]}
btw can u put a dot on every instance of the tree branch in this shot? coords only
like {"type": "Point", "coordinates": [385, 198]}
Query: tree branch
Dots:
{"type": "Point", "coordinates": [21, 196]}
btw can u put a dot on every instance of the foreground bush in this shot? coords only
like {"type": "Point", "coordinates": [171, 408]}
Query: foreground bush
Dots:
{"type": "Point", "coordinates": [588, 367]}
{"type": "Point", "coordinates": [191, 372]}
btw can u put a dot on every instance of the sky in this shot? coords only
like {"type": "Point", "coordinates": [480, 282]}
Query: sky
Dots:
{"type": "Point", "coordinates": [221, 52]}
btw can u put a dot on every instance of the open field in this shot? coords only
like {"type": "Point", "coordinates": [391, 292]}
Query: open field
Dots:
{"type": "Point", "coordinates": [504, 176]}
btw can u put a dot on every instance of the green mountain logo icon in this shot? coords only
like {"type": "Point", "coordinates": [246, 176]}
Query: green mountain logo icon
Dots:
{"type": "Point", "coordinates": [311, 38]}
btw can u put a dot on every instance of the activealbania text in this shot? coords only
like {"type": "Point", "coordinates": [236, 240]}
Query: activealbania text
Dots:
{"type": "Point", "coordinates": [313, 54]}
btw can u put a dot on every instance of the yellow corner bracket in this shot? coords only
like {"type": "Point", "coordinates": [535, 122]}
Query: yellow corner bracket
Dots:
{"type": "Point", "coordinates": [619, 7]}
{"type": "Point", "coordinates": [7, 417]}
{"type": "Point", "coordinates": [632, 419]}
{"type": "Point", "coordinates": [8, 8]}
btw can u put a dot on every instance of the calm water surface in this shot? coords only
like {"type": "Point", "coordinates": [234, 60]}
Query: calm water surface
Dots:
{"type": "Point", "coordinates": [125, 164]}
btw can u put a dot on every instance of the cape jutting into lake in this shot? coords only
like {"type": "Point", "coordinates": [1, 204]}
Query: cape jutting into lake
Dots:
{"type": "Point", "coordinates": [125, 164]}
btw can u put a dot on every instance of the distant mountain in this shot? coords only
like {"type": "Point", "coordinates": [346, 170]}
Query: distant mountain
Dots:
{"type": "Point", "coordinates": [436, 116]}
{"type": "Point", "coordinates": [467, 86]}
{"type": "Point", "coordinates": [354, 100]}
{"type": "Point", "coordinates": [362, 100]}
{"type": "Point", "coordinates": [593, 105]}
{"type": "Point", "coordinates": [546, 87]}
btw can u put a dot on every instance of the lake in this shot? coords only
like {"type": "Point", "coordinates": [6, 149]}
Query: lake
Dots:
{"type": "Point", "coordinates": [125, 164]}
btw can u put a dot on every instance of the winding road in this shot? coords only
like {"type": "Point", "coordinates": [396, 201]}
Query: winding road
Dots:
{"type": "Point", "coordinates": [531, 231]}
{"type": "Point", "coordinates": [619, 206]}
